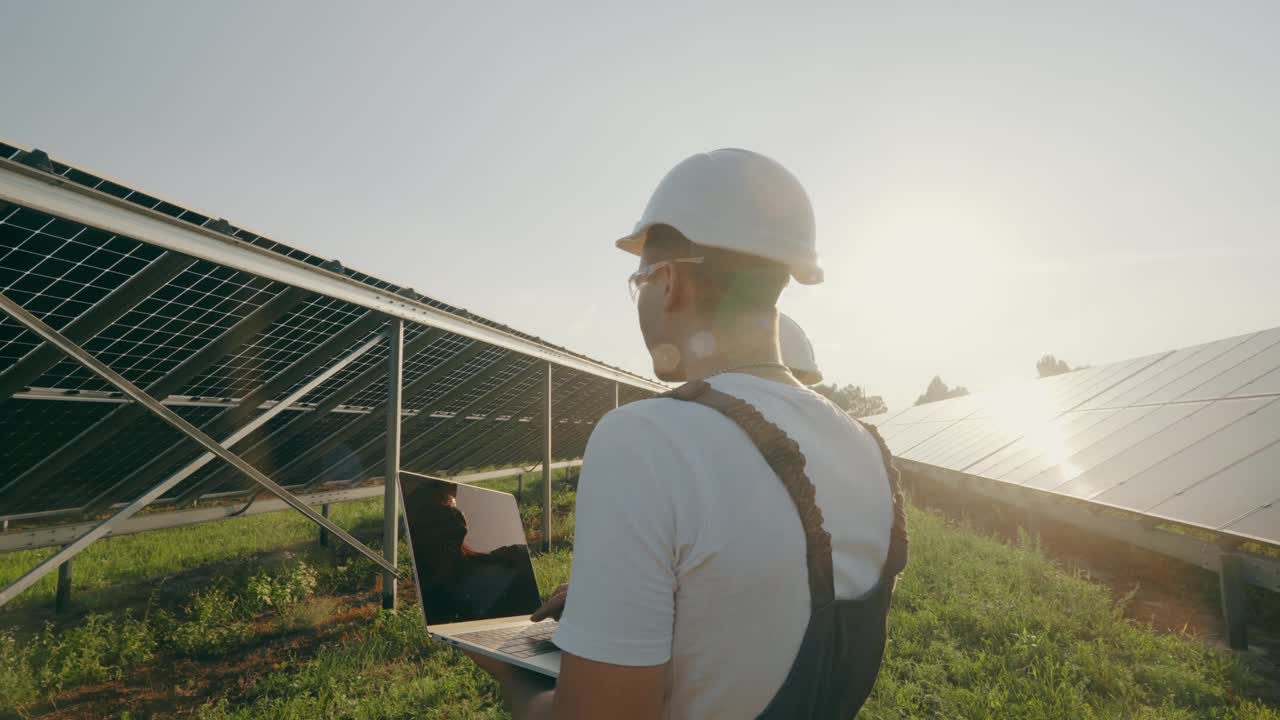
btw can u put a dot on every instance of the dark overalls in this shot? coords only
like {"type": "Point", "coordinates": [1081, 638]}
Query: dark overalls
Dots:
{"type": "Point", "coordinates": [839, 658]}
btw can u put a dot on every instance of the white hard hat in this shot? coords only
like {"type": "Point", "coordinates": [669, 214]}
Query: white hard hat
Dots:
{"type": "Point", "coordinates": [797, 352]}
{"type": "Point", "coordinates": [740, 201]}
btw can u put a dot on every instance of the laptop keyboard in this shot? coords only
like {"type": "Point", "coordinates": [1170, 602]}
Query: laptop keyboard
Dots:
{"type": "Point", "coordinates": [520, 641]}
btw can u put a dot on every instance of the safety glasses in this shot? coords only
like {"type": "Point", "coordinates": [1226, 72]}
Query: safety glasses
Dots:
{"type": "Point", "coordinates": [642, 276]}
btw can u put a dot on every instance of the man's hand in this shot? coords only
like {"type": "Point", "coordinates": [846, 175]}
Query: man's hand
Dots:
{"type": "Point", "coordinates": [553, 607]}
{"type": "Point", "coordinates": [526, 694]}
{"type": "Point", "coordinates": [499, 669]}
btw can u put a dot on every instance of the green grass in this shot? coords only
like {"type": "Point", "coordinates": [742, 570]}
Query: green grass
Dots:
{"type": "Point", "coordinates": [146, 556]}
{"type": "Point", "coordinates": [983, 629]}
{"type": "Point", "coordinates": [979, 629]}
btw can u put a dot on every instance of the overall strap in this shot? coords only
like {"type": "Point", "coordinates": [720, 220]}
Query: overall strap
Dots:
{"type": "Point", "coordinates": [897, 558]}
{"type": "Point", "coordinates": [783, 455]}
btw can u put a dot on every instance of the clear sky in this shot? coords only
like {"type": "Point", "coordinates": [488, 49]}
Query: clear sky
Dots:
{"type": "Point", "coordinates": [1096, 180]}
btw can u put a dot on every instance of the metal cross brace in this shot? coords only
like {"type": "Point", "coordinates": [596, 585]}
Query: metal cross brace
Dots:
{"type": "Point", "coordinates": [78, 354]}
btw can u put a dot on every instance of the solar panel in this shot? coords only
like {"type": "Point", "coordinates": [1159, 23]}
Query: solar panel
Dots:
{"type": "Point", "coordinates": [220, 341]}
{"type": "Point", "coordinates": [1190, 436]}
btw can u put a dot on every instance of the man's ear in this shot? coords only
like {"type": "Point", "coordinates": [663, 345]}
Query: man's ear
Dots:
{"type": "Point", "coordinates": [677, 291]}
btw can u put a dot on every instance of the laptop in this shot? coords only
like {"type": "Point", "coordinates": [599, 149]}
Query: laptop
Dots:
{"type": "Point", "coordinates": [476, 585]}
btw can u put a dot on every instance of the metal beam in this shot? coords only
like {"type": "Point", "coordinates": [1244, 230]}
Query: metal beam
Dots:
{"type": "Point", "coordinates": [137, 395]}
{"type": "Point", "coordinates": [391, 474]}
{"type": "Point", "coordinates": [1235, 607]}
{"type": "Point", "coordinates": [58, 196]}
{"type": "Point", "coordinates": [261, 449]}
{"type": "Point", "coordinates": [508, 472]}
{"type": "Point", "coordinates": [227, 420]}
{"type": "Point", "coordinates": [548, 421]}
{"type": "Point", "coordinates": [324, 534]}
{"type": "Point", "coordinates": [123, 418]}
{"type": "Point", "coordinates": [28, 539]}
{"type": "Point", "coordinates": [62, 598]}
{"type": "Point", "coordinates": [94, 320]}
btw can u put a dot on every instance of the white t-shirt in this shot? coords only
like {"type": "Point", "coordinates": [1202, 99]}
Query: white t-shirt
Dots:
{"type": "Point", "coordinates": [689, 549]}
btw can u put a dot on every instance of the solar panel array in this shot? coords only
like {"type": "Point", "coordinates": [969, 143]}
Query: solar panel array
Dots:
{"type": "Point", "coordinates": [219, 345]}
{"type": "Point", "coordinates": [1190, 436]}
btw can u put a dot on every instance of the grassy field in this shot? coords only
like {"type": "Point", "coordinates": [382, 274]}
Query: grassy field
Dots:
{"type": "Point", "coordinates": [250, 619]}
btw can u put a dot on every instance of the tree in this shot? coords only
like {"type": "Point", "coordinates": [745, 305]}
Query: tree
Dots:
{"type": "Point", "coordinates": [852, 399]}
{"type": "Point", "coordinates": [938, 390]}
{"type": "Point", "coordinates": [1050, 366]}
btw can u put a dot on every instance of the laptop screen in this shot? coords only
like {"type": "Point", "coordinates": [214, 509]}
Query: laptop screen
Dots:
{"type": "Point", "coordinates": [469, 551]}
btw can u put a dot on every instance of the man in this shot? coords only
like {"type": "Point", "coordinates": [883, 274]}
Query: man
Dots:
{"type": "Point", "coordinates": [797, 351]}
{"type": "Point", "coordinates": [690, 592]}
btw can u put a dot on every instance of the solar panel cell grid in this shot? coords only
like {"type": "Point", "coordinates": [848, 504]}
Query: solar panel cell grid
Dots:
{"type": "Point", "coordinates": [1076, 479]}
{"type": "Point", "coordinates": [1200, 446]}
{"type": "Point", "coordinates": [286, 342]}
{"type": "Point", "coordinates": [1233, 381]}
{"type": "Point", "coordinates": [1188, 365]}
{"type": "Point", "coordinates": [58, 270]}
{"type": "Point", "coordinates": [101, 469]}
{"type": "Point", "coordinates": [1259, 524]}
{"type": "Point", "coordinates": [1050, 444]}
{"type": "Point", "coordinates": [150, 340]}
{"type": "Point", "coordinates": [32, 429]}
{"type": "Point", "coordinates": [229, 333]}
{"type": "Point", "coordinates": [1229, 493]}
{"type": "Point", "coordinates": [437, 353]}
{"type": "Point", "coordinates": [1200, 384]}
{"type": "Point", "coordinates": [1157, 366]}
{"type": "Point", "coordinates": [944, 455]}
{"type": "Point", "coordinates": [427, 398]}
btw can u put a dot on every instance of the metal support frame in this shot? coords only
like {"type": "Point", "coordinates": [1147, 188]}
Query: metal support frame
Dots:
{"type": "Point", "coordinates": [391, 483]}
{"type": "Point", "coordinates": [62, 598]}
{"type": "Point", "coordinates": [56, 195]}
{"type": "Point", "coordinates": [215, 448]}
{"type": "Point", "coordinates": [122, 418]}
{"type": "Point", "coordinates": [1235, 606]}
{"type": "Point", "coordinates": [227, 420]}
{"type": "Point", "coordinates": [260, 450]}
{"type": "Point", "coordinates": [324, 534]}
{"type": "Point", "coordinates": [56, 535]}
{"type": "Point", "coordinates": [1031, 518]}
{"type": "Point", "coordinates": [546, 462]}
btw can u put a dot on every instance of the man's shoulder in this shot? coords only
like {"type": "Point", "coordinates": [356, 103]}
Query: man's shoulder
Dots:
{"type": "Point", "coordinates": [658, 412]}
{"type": "Point", "coordinates": [658, 429]}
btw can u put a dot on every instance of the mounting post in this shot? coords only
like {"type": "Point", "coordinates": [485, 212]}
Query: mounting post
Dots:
{"type": "Point", "coordinates": [62, 600]}
{"type": "Point", "coordinates": [546, 468]}
{"type": "Point", "coordinates": [390, 496]}
{"type": "Point", "coordinates": [324, 533]}
{"type": "Point", "coordinates": [1235, 609]}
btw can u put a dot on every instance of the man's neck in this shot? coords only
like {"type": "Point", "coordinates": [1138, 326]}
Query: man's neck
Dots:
{"type": "Point", "coordinates": [752, 346]}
